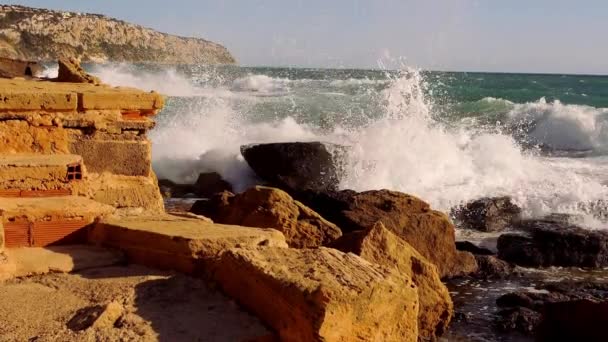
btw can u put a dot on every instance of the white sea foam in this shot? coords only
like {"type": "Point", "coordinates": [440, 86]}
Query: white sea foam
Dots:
{"type": "Point", "coordinates": [563, 127]}
{"type": "Point", "coordinates": [261, 84]}
{"type": "Point", "coordinates": [404, 149]}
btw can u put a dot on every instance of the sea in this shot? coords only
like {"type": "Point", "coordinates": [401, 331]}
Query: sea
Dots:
{"type": "Point", "coordinates": [446, 137]}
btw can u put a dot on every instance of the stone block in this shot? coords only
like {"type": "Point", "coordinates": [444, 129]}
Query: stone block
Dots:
{"type": "Point", "coordinates": [321, 294]}
{"type": "Point", "coordinates": [119, 157]}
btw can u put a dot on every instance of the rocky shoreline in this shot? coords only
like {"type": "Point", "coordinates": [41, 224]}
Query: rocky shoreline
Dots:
{"type": "Point", "coordinates": [311, 262]}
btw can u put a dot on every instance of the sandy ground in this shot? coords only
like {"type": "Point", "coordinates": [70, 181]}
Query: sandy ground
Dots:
{"type": "Point", "coordinates": [158, 306]}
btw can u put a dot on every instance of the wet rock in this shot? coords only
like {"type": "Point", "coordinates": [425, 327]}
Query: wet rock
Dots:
{"type": "Point", "coordinates": [380, 246]}
{"type": "Point", "coordinates": [296, 166]}
{"type": "Point", "coordinates": [490, 214]}
{"type": "Point", "coordinates": [467, 246]}
{"type": "Point", "coordinates": [71, 71]}
{"type": "Point", "coordinates": [210, 183]}
{"type": "Point", "coordinates": [531, 300]}
{"type": "Point", "coordinates": [430, 232]}
{"type": "Point", "coordinates": [97, 316]}
{"type": "Point", "coordinates": [265, 207]}
{"type": "Point", "coordinates": [170, 189]}
{"type": "Point", "coordinates": [568, 246]}
{"type": "Point", "coordinates": [490, 267]}
{"type": "Point", "coordinates": [321, 294]}
{"type": "Point", "coordinates": [579, 320]}
{"type": "Point", "coordinates": [519, 319]}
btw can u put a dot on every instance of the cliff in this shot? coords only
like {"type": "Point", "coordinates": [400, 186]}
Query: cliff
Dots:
{"type": "Point", "coordinates": [40, 34]}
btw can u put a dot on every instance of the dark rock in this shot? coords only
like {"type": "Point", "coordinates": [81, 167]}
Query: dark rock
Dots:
{"type": "Point", "coordinates": [490, 266]}
{"type": "Point", "coordinates": [472, 248]}
{"type": "Point", "coordinates": [211, 183]}
{"type": "Point", "coordinates": [296, 166]}
{"type": "Point", "coordinates": [579, 289]}
{"type": "Point", "coordinates": [214, 207]}
{"type": "Point", "coordinates": [531, 300]}
{"type": "Point", "coordinates": [579, 320]}
{"type": "Point", "coordinates": [430, 232]}
{"type": "Point", "coordinates": [568, 246]}
{"type": "Point", "coordinates": [487, 214]}
{"type": "Point", "coordinates": [170, 189]}
{"type": "Point", "coordinates": [519, 319]}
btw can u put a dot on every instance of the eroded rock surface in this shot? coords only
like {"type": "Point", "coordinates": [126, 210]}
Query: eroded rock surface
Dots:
{"type": "Point", "coordinates": [378, 245]}
{"type": "Point", "coordinates": [321, 294]}
{"type": "Point", "coordinates": [266, 207]}
{"type": "Point", "coordinates": [430, 232]}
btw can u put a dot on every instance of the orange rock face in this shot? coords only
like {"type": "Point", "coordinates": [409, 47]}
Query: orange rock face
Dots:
{"type": "Point", "coordinates": [321, 294]}
{"type": "Point", "coordinates": [378, 245]}
{"type": "Point", "coordinates": [265, 207]}
{"type": "Point", "coordinates": [430, 232]}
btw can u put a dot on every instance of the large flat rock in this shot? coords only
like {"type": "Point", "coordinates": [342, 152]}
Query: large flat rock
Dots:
{"type": "Point", "coordinates": [29, 261]}
{"type": "Point", "coordinates": [321, 294]}
{"type": "Point", "coordinates": [63, 207]}
{"type": "Point", "coordinates": [178, 243]}
{"type": "Point", "coordinates": [20, 95]}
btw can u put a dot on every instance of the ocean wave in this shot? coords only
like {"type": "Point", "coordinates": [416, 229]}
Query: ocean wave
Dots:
{"type": "Point", "coordinates": [356, 82]}
{"type": "Point", "coordinates": [559, 126]}
{"type": "Point", "coordinates": [262, 84]}
{"type": "Point", "coordinates": [402, 148]}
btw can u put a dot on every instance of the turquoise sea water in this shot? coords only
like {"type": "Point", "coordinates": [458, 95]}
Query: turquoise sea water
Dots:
{"type": "Point", "coordinates": [446, 137]}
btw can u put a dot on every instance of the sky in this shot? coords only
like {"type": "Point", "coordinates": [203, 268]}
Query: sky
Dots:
{"type": "Point", "coordinates": [552, 36]}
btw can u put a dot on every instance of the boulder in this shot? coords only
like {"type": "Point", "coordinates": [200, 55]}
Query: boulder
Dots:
{"type": "Point", "coordinates": [430, 232]}
{"type": "Point", "coordinates": [379, 246]}
{"type": "Point", "coordinates": [296, 166]}
{"type": "Point", "coordinates": [490, 214]}
{"type": "Point", "coordinates": [321, 294]}
{"type": "Point", "coordinates": [71, 71]}
{"type": "Point", "coordinates": [97, 316]}
{"type": "Point", "coordinates": [210, 183]}
{"type": "Point", "coordinates": [265, 207]}
{"type": "Point", "coordinates": [578, 320]}
{"type": "Point", "coordinates": [467, 246]}
{"type": "Point", "coordinates": [519, 319]}
{"type": "Point", "coordinates": [490, 267]}
{"type": "Point", "coordinates": [170, 189]}
{"type": "Point", "coordinates": [568, 246]}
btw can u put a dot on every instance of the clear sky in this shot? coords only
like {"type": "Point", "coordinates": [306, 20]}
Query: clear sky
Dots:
{"type": "Point", "coordinates": [562, 36]}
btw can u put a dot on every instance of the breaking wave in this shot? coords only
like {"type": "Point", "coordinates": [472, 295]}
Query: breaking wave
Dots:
{"type": "Point", "coordinates": [403, 145]}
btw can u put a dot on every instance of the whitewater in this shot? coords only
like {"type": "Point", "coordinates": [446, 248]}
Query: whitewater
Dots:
{"type": "Point", "coordinates": [447, 139]}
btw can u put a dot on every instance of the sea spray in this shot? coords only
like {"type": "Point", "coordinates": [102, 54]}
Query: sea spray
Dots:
{"type": "Point", "coordinates": [398, 135]}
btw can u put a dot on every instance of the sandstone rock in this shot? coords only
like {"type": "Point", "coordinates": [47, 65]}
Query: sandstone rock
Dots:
{"type": "Point", "coordinates": [177, 243]}
{"type": "Point", "coordinates": [265, 207]}
{"type": "Point", "coordinates": [378, 245]}
{"type": "Point", "coordinates": [10, 68]}
{"type": "Point", "coordinates": [211, 183]}
{"type": "Point", "coordinates": [566, 246]}
{"type": "Point", "coordinates": [321, 294]}
{"type": "Point", "coordinates": [71, 71]}
{"type": "Point", "coordinates": [296, 166]}
{"type": "Point", "coordinates": [98, 316]}
{"type": "Point", "coordinates": [430, 232]}
{"type": "Point", "coordinates": [487, 214]}
{"type": "Point", "coordinates": [580, 320]}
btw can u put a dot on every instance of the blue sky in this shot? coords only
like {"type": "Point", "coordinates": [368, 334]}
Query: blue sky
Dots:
{"type": "Point", "coordinates": [472, 35]}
